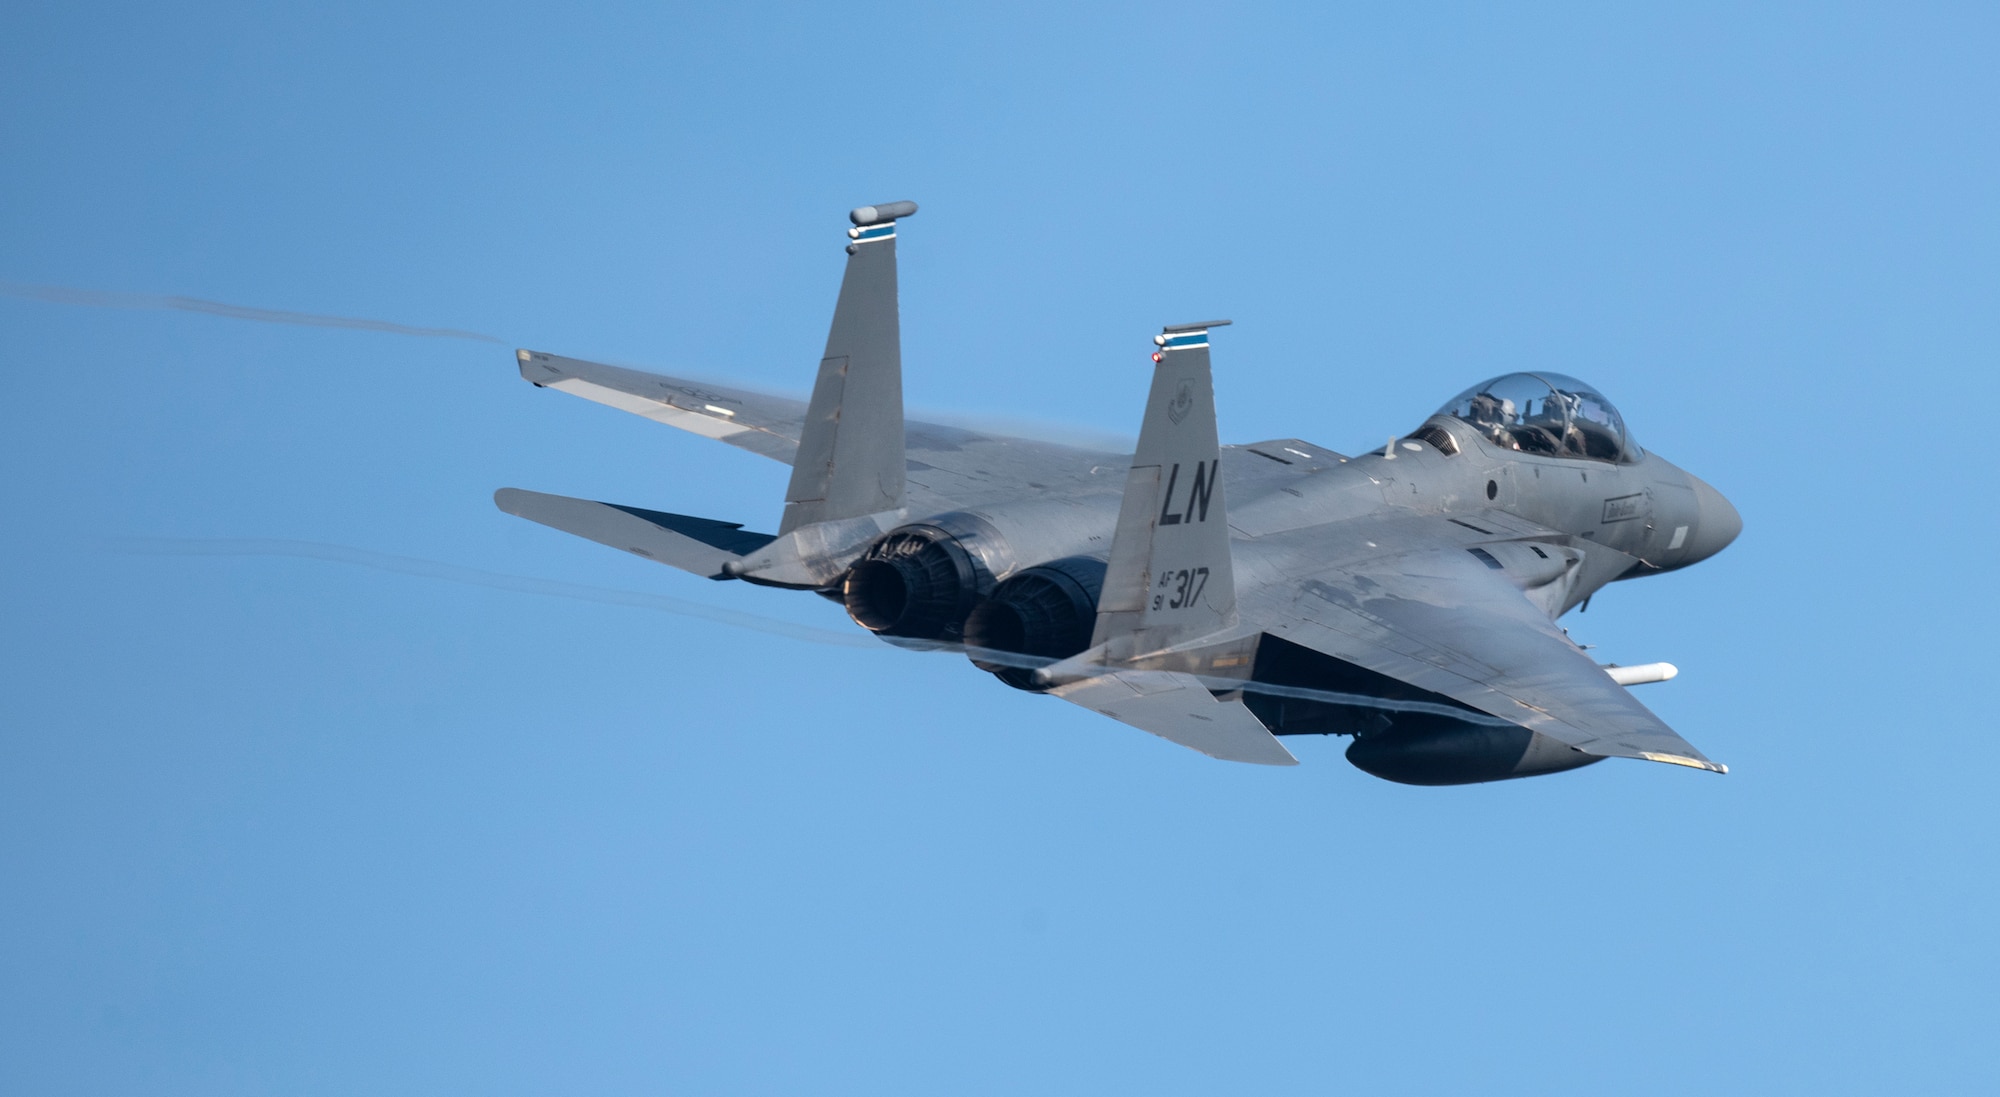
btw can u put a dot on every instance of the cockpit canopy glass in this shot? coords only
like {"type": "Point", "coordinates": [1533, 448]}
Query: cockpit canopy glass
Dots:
{"type": "Point", "coordinates": [1545, 413]}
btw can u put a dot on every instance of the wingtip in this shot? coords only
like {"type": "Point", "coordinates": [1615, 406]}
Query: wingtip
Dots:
{"type": "Point", "coordinates": [525, 359]}
{"type": "Point", "coordinates": [1684, 760]}
{"type": "Point", "coordinates": [509, 499]}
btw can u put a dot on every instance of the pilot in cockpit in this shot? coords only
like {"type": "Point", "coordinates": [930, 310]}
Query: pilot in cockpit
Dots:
{"type": "Point", "coordinates": [1561, 414]}
{"type": "Point", "coordinates": [1542, 429]}
{"type": "Point", "coordinates": [1493, 416]}
{"type": "Point", "coordinates": [1544, 413]}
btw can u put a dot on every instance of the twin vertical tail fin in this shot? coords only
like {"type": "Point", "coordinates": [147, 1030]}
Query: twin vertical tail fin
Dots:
{"type": "Point", "coordinates": [847, 478]}
{"type": "Point", "coordinates": [1169, 579]}
{"type": "Point", "coordinates": [850, 461]}
{"type": "Point", "coordinates": [1170, 583]}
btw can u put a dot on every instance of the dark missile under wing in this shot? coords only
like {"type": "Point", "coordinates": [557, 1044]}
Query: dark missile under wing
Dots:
{"type": "Point", "coordinates": [1219, 597]}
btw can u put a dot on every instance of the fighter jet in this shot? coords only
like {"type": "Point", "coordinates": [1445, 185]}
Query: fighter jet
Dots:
{"type": "Point", "coordinates": [1219, 597]}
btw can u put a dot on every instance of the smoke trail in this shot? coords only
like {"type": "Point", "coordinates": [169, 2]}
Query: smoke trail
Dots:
{"type": "Point", "coordinates": [452, 573]}
{"type": "Point", "coordinates": [65, 295]}
{"type": "Point", "coordinates": [521, 584]}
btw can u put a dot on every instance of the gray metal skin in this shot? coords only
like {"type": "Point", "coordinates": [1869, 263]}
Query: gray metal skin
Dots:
{"type": "Point", "coordinates": [1405, 597]}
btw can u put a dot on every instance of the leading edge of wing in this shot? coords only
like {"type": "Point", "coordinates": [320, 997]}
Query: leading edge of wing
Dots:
{"type": "Point", "coordinates": [755, 421]}
{"type": "Point", "coordinates": [1444, 622]}
{"type": "Point", "coordinates": [949, 464]}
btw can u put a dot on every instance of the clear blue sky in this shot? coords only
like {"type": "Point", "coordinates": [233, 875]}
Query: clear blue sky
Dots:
{"type": "Point", "coordinates": [278, 825]}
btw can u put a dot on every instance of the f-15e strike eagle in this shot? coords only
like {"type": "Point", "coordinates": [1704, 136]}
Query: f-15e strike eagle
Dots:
{"type": "Point", "coordinates": [1216, 596]}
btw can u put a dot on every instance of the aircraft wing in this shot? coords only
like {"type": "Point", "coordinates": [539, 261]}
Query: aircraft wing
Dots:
{"type": "Point", "coordinates": [948, 466]}
{"type": "Point", "coordinates": [769, 425]}
{"type": "Point", "coordinates": [1445, 622]}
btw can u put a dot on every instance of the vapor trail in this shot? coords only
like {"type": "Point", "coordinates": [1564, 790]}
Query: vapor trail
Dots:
{"type": "Point", "coordinates": [452, 573]}
{"type": "Point", "coordinates": [65, 295]}
{"type": "Point", "coordinates": [1226, 685]}
{"type": "Point", "coordinates": [522, 584]}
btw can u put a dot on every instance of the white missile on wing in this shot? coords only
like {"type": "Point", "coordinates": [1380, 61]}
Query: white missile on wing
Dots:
{"type": "Point", "coordinates": [1641, 674]}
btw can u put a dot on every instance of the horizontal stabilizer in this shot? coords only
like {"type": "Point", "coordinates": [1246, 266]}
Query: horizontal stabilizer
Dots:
{"type": "Point", "coordinates": [1179, 709]}
{"type": "Point", "coordinates": [699, 545]}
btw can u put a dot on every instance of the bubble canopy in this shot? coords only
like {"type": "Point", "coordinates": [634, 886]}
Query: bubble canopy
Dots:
{"type": "Point", "coordinates": [1545, 413]}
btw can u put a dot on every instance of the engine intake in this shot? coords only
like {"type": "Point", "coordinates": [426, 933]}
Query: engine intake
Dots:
{"type": "Point", "coordinates": [1044, 612]}
{"type": "Point", "coordinates": [916, 582]}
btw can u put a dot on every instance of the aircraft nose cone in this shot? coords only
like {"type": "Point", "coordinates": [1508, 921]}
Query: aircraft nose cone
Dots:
{"type": "Point", "coordinates": [1716, 522]}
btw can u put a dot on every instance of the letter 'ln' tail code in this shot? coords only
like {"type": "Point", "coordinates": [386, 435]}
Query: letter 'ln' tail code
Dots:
{"type": "Point", "coordinates": [1170, 579]}
{"type": "Point", "coordinates": [1206, 475]}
